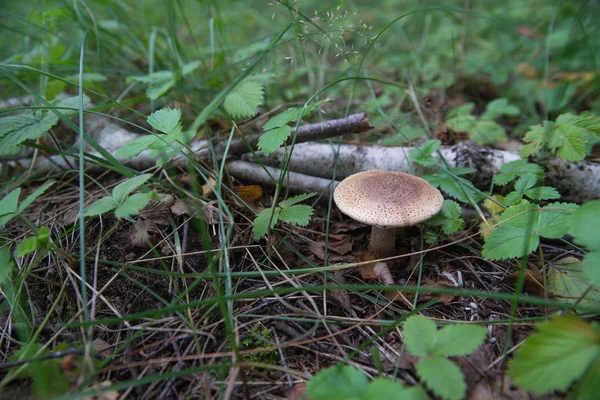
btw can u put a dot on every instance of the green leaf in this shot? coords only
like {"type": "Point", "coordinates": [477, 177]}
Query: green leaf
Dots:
{"type": "Point", "coordinates": [522, 225]}
{"type": "Point", "coordinates": [422, 154]}
{"type": "Point", "coordinates": [244, 99]}
{"type": "Point", "coordinates": [542, 193]}
{"type": "Point", "coordinates": [584, 227]}
{"type": "Point", "coordinates": [16, 129]}
{"type": "Point", "coordinates": [158, 83]}
{"type": "Point", "coordinates": [511, 170]}
{"type": "Point", "coordinates": [28, 246]}
{"type": "Point", "coordinates": [567, 137]}
{"type": "Point", "coordinates": [443, 377]}
{"type": "Point", "coordinates": [459, 340]}
{"type": "Point", "coordinates": [481, 132]}
{"type": "Point", "coordinates": [459, 188]}
{"type": "Point", "coordinates": [133, 204]}
{"type": "Point", "coordinates": [281, 119]}
{"type": "Point", "coordinates": [272, 140]}
{"type": "Point", "coordinates": [592, 267]}
{"type": "Point", "coordinates": [464, 110]}
{"type": "Point", "coordinates": [7, 265]}
{"type": "Point", "coordinates": [588, 386]}
{"type": "Point", "coordinates": [339, 382]}
{"type": "Point", "coordinates": [554, 219]}
{"type": "Point", "coordinates": [419, 335]}
{"type": "Point", "coordinates": [165, 120]}
{"type": "Point", "coordinates": [525, 182]}
{"type": "Point", "coordinates": [134, 147]}
{"type": "Point", "coordinates": [498, 108]}
{"type": "Point", "coordinates": [448, 218]}
{"type": "Point", "coordinates": [49, 380]}
{"type": "Point", "coordinates": [555, 356]}
{"type": "Point", "coordinates": [100, 206]}
{"type": "Point", "coordinates": [123, 189]}
{"type": "Point", "coordinates": [567, 282]}
{"type": "Point", "coordinates": [384, 388]}
{"type": "Point", "coordinates": [30, 199]}
{"type": "Point", "coordinates": [297, 214]}
{"type": "Point", "coordinates": [70, 102]}
{"type": "Point", "coordinates": [8, 206]}
{"type": "Point", "coordinates": [296, 199]}
{"type": "Point", "coordinates": [260, 225]}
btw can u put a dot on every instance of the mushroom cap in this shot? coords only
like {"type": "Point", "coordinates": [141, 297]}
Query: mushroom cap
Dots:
{"type": "Point", "coordinates": [387, 198]}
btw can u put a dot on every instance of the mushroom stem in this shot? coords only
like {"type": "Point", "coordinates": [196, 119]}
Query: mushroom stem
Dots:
{"type": "Point", "coordinates": [383, 241]}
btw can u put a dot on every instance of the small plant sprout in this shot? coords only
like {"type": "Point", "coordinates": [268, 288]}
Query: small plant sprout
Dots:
{"type": "Point", "coordinates": [387, 200]}
{"type": "Point", "coordinates": [288, 211]}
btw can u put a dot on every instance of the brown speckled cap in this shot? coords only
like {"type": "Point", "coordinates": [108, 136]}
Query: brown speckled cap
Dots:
{"type": "Point", "coordinates": [387, 198]}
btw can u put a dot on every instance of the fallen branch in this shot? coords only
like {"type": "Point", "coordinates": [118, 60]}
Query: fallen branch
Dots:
{"type": "Point", "coordinates": [576, 181]}
{"type": "Point", "coordinates": [268, 176]}
{"type": "Point", "coordinates": [112, 136]}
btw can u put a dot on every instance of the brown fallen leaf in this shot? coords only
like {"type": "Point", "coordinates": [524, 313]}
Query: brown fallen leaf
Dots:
{"type": "Point", "coordinates": [366, 270]}
{"type": "Point", "coordinates": [207, 188]}
{"type": "Point", "coordinates": [298, 392]}
{"type": "Point", "coordinates": [250, 194]}
{"type": "Point", "coordinates": [534, 282]}
{"type": "Point", "coordinates": [445, 299]}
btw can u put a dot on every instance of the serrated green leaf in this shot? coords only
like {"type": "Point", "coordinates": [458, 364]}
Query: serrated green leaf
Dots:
{"type": "Point", "coordinates": [498, 108]}
{"type": "Point", "coordinates": [525, 182]}
{"type": "Point", "coordinates": [522, 225]}
{"type": "Point", "coordinates": [512, 198]}
{"type": "Point", "coordinates": [509, 242]}
{"type": "Point", "coordinates": [123, 189]}
{"type": "Point", "coordinates": [464, 110]}
{"type": "Point", "coordinates": [443, 377]}
{"type": "Point", "coordinates": [165, 120]}
{"type": "Point", "coordinates": [458, 340]}
{"type": "Point", "coordinates": [260, 225]}
{"type": "Point", "coordinates": [298, 214]}
{"type": "Point", "coordinates": [14, 130]}
{"type": "Point", "coordinates": [281, 119]}
{"type": "Point", "coordinates": [419, 335]}
{"type": "Point", "coordinates": [339, 382]}
{"type": "Point", "coordinates": [133, 204]}
{"type": "Point", "coordinates": [567, 282]}
{"type": "Point", "coordinates": [8, 206]}
{"type": "Point", "coordinates": [554, 219]}
{"type": "Point", "coordinates": [542, 193]}
{"type": "Point", "coordinates": [555, 356]}
{"type": "Point", "coordinates": [296, 199]}
{"type": "Point", "coordinates": [272, 140]}
{"type": "Point", "coordinates": [511, 170]}
{"type": "Point", "coordinates": [134, 147]}
{"type": "Point", "coordinates": [584, 227]}
{"type": "Point", "coordinates": [30, 199]}
{"type": "Point", "coordinates": [244, 99]}
{"type": "Point", "coordinates": [459, 188]}
{"type": "Point", "coordinates": [101, 206]}
{"type": "Point", "coordinates": [567, 137]}
{"type": "Point", "coordinates": [448, 218]}
{"type": "Point", "coordinates": [422, 154]}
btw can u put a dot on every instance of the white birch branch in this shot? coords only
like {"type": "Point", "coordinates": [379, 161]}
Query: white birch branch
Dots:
{"type": "Point", "coordinates": [577, 182]}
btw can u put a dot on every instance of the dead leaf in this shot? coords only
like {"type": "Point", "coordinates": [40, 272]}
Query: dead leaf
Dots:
{"type": "Point", "coordinates": [567, 282]}
{"type": "Point", "coordinates": [101, 347]}
{"type": "Point", "coordinates": [250, 194]}
{"type": "Point", "coordinates": [445, 299]}
{"type": "Point", "coordinates": [338, 248]}
{"type": "Point", "coordinates": [298, 392]}
{"type": "Point", "coordinates": [207, 188]}
{"type": "Point", "coordinates": [534, 282]}
{"type": "Point", "coordinates": [341, 295]}
{"type": "Point", "coordinates": [158, 211]}
{"type": "Point", "coordinates": [142, 233]}
{"type": "Point", "coordinates": [366, 270]}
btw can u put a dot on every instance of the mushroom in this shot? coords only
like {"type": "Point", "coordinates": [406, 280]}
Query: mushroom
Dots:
{"type": "Point", "coordinates": [387, 200]}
